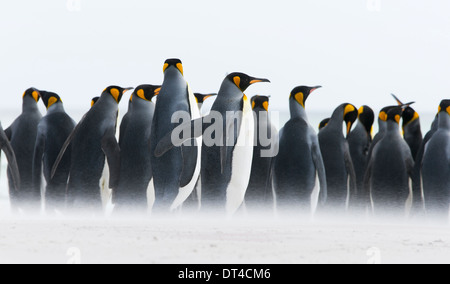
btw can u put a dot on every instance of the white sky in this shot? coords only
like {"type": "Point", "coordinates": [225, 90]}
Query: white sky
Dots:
{"type": "Point", "coordinates": [358, 54]}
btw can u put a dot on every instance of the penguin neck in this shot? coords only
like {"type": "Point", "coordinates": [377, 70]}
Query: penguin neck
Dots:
{"type": "Point", "coordinates": [393, 128]}
{"type": "Point", "coordinates": [297, 111]}
{"type": "Point", "coordinates": [444, 120]}
{"type": "Point", "coordinates": [230, 91]}
{"type": "Point", "coordinates": [108, 103]}
{"type": "Point", "coordinates": [29, 104]}
{"type": "Point", "coordinates": [229, 98]}
{"type": "Point", "coordinates": [200, 105]}
{"type": "Point", "coordinates": [58, 107]}
{"type": "Point", "coordinates": [140, 104]}
{"type": "Point", "coordinates": [381, 126]}
{"type": "Point", "coordinates": [337, 120]}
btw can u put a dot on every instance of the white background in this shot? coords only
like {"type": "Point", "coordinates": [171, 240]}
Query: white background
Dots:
{"type": "Point", "coordinates": [359, 50]}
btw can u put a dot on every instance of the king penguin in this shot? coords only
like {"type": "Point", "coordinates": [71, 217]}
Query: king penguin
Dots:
{"type": "Point", "coordinates": [22, 135]}
{"type": "Point", "coordinates": [53, 131]}
{"type": "Point", "coordinates": [340, 172]}
{"type": "Point", "coordinates": [176, 173]}
{"type": "Point", "coordinates": [92, 142]}
{"type": "Point", "coordinates": [299, 171]}
{"type": "Point", "coordinates": [228, 132]}
{"type": "Point", "coordinates": [259, 195]}
{"type": "Point", "coordinates": [436, 168]}
{"type": "Point", "coordinates": [390, 170]}
{"type": "Point", "coordinates": [135, 168]}
{"type": "Point", "coordinates": [359, 141]}
{"type": "Point", "coordinates": [6, 147]}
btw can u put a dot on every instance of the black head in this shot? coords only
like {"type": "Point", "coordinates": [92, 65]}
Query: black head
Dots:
{"type": "Point", "coordinates": [174, 62]}
{"type": "Point", "coordinates": [201, 97]}
{"type": "Point", "coordinates": [367, 117]}
{"type": "Point", "coordinates": [384, 112]}
{"type": "Point", "coordinates": [261, 102]}
{"type": "Point", "coordinates": [350, 116]}
{"type": "Point", "coordinates": [324, 123]}
{"type": "Point", "coordinates": [33, 93]}
{"type": "Point", "coordinates": [116, 92]}
{"type": "Point", "coordinates": [147, 92]}
{"type": "Point", "coordinates": [301, 94]}
{"type": "Point", "coordinates": [94, 101]}
{"type": "Point", "coordinates": [444, 106]}
{"type": "Point", "coordinates": [395, 114]}
{"type": "Point", "coordinates": [49, 98]}
{"type": "Point", "coordinates": [243, 81]}
{"type": "Point", "coordinates": [409, 116]}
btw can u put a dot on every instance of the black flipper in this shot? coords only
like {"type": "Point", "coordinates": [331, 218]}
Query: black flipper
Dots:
{"type": "Point", "coordinates": [320, 168]}
{"type": "Point", "coordinates": [167, 143]}
{"type": "Point", "coordinates": [65, 146]}
{"type": "Point", "coordinates": [10, 156]}
{"type": "Point", "coordinates": [112, 151]}
{"type": "Point", "coordinates": [190, 155]}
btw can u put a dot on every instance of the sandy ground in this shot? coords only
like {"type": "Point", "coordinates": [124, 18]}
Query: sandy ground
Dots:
{"type": "Point", "coordinates": [241, 240]}
{"type": "Point", "coordinates": [247, 241]}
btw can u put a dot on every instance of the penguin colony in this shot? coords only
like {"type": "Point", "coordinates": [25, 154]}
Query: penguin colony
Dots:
{"type": "Point", "coordinates": [171, 157]}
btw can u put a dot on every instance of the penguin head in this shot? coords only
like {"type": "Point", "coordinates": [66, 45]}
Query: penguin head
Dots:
{"type": "Point", "coordinates": [367, 117]}
{"type": "Point", "coordinates": [261, 102]}
{"type": "Point", "coordinates": [384, 113]}
{"type": "Point", "coordinates": [395, 114]}
{"type": "Point", "coordinates": [243, 81]}
{"type": "Point", "coordinates": [116, 92]}
{"type": "Point", "coordinates": [175, 63]}
{"type": "Point", "coordinates": [301, 94]}
{"type": "Point", "coordinates": [94, 101]}
{"type": "Point", "coordinates": [49, 98]}
{"type": "Point", "coordinates": [444, 107]}
{"type": "Point", "coordinates": [200, 98]}
{"type": "Point", "coordinates": [409, 116]}
{"type": "Point", "coordinates": [324, 123]}
{"type": "Point", "coordinates": [350, 116]}
{"type": "Point", "coordinates": [33, 93]}
{"type": "Point", "coordinates": [146, 92]}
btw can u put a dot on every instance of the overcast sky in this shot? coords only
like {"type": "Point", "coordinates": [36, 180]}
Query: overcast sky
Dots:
{"type": "Point", "coordinates": [359, 51]}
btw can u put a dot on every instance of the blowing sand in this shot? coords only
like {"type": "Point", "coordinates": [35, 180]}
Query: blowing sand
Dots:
{"type": "Point", "coordinates": [247, 241]}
